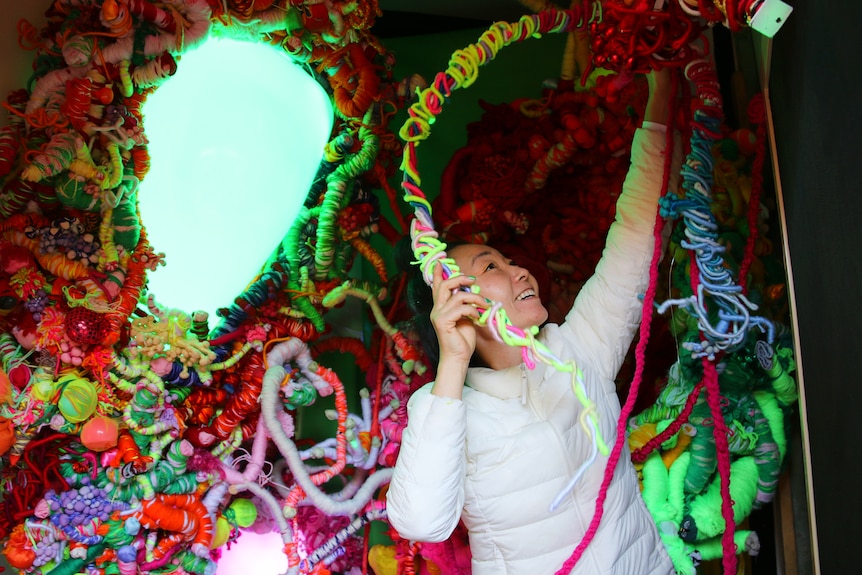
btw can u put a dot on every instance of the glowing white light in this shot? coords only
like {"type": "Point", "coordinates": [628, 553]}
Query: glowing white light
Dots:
{"type": "Point", "coordinates": [236, 137]}
{"type": "Point", "coordinates": [254, 553]}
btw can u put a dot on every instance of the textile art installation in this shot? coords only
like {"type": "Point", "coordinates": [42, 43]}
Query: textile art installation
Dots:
{"type": "Point", "coordinates": [141, 438]}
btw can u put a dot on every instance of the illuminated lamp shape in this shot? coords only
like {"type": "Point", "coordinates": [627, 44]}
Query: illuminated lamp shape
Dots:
{"type": "Point", "coordinates": [263, 551]}
{"type": "Point", "coordinates": [235, 139]}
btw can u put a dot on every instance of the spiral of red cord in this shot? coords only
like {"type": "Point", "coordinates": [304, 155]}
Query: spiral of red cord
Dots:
{"type": "Point", "coordinates": [734, 13]}
{"type": "Point", "coordinates": [632, 36]}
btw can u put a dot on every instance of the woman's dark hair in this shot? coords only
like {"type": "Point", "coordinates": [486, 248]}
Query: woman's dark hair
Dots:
{"type": "Point", "coordinates": [419, 298]}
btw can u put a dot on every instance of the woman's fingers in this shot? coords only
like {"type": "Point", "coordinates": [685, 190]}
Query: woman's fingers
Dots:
{"type": "Point", "coordinates": [457, 305]}
{"type": "Point", "coordinates": [445, 289]}
{"type": "Point", "coordinates": [454, 312]}
{"type": "Point", "coordinates": [449, 284]}
{"type": "Point", "coordinates": [458, 299]}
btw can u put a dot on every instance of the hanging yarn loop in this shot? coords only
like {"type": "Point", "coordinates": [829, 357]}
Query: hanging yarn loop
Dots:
{"type": "Point", "coordinates": [429, 250]}
{"type": "Point", "coordinates": [723, 311]}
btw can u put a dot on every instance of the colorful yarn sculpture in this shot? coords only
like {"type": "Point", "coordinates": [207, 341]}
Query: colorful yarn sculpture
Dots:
{"type": "Point", "coordinates": [138, 438]}
{"type": "Point", "coordinates": [145, 425]}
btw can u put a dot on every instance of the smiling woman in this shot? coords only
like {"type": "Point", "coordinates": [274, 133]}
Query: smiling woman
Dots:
{"type": "Point", "coordinates": [500, 443]}
{"type": "Point", "coordinates": [243, 129]}
{"type": "Point", "coordinates": [500, 283]}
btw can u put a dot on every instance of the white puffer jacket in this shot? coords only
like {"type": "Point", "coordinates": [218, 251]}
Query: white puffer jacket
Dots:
{"type": "Point", "coordinates": [500, 456]}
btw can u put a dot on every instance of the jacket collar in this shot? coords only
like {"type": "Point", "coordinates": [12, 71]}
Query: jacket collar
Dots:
{"type": "Point", "coordinates": [502, 384]}
{"type": "Point", "coordinates": [506, 383]}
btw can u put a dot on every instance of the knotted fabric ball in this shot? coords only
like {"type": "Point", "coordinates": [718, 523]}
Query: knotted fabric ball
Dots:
{"type": "Point", "coordinates": [86, 326]}
{"type": "Point", "coordinates": [78, 400]}
{"type": "Point", "coordinates": [100, 433]}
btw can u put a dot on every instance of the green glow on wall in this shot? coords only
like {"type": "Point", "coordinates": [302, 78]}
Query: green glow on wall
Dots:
{"type": "Point", "coordinates": [235, 139]}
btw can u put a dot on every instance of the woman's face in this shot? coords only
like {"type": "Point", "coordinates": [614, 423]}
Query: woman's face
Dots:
{"type": "Point", "coordinates": [501, 280]}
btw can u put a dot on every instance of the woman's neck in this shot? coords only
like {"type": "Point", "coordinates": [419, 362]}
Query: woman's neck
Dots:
{"type": "Point", "coordinates": [498, 355]}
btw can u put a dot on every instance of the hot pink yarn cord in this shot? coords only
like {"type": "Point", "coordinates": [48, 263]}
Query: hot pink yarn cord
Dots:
{"type": "Point", "coordinates": [649, 299]}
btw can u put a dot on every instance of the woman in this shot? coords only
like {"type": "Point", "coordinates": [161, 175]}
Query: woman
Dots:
{"type": "Point", "coordinates": [495, 444]}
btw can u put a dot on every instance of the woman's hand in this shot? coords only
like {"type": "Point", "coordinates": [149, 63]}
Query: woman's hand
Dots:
{"type": "Point", "coordinates": [452, 316]}
{"type": "Point", "coordinates": [660, 88]}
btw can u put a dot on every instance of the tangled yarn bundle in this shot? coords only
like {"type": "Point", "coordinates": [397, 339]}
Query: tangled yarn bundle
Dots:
{"type": "Point", "coordinates": [140, 438]}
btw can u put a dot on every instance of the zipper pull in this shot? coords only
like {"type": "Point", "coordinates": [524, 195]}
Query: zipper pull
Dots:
{"type": "Point", "coordinates": [523, 384]}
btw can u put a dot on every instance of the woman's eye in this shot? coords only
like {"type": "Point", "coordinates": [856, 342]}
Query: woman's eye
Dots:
{"type": "Point", "coordinates": [491, 266]}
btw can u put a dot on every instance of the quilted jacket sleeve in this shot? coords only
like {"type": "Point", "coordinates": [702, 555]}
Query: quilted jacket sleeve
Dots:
{"type": "Point", "coordinates": [426, 495]}
{"type": "Point", "coordinates": [607, 311]}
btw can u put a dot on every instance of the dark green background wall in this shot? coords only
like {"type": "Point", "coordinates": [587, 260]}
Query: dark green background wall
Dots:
{"type": "Point", "coordinates": [815, 92]}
